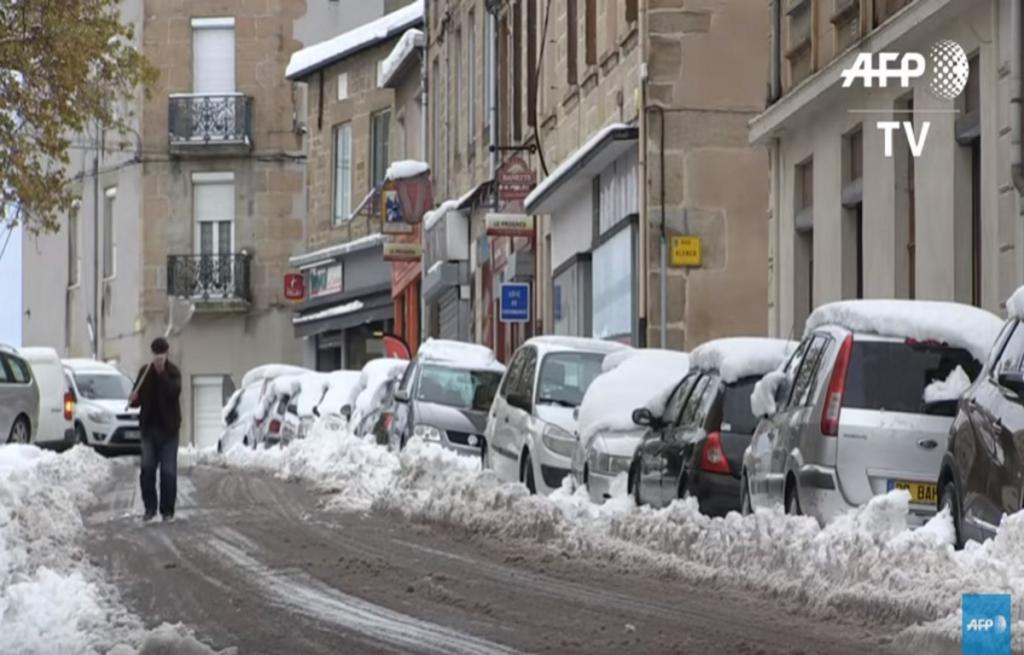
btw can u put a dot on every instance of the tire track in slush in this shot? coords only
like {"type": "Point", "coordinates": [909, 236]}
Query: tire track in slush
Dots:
{"type": "Point", "coordinates": [305, 595]}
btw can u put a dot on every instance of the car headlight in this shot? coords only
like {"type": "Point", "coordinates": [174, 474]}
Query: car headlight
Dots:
{"type": "Point", "coordinates": [100, 416]}
{"type": "Point", "coordinates": [558, 440]}
{"type": "Point", "coordinates": [427, 432]}
{"type": "Point", "coordinates": [611, 464]}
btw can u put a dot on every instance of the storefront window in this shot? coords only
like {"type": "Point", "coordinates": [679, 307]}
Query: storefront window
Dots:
{"type": "Point", "coordinates": [571, 299]}
{"type": "Point", "coordinates": [324, 280]}
{"type": "Point", "coordinates": [614, 283]}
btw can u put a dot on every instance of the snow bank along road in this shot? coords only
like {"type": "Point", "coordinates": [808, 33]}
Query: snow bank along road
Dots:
{"type": "Point", "coordinates": [258, 563]}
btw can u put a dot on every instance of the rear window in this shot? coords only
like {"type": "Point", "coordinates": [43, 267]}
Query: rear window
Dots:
{"type": "Point", "coordinates": [892, 376]}
{"type": "Point", "coordinates": [736, 413]}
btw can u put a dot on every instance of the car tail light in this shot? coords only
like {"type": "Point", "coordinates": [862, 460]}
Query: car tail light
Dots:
{"type": "Point", "coordinates": [712, 457]}
{"type": "Point", "coordinates": [275, 426]}
{"type": "Point", "coordinates": [388, 418]}
{"type": "Point", "coordinates": [836, 388]}
{"type": "Point", "coordinates": [69, 405]}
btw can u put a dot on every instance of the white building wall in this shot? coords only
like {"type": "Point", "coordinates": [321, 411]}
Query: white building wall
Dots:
{"type": "Point", "coordinates": [572, 229]}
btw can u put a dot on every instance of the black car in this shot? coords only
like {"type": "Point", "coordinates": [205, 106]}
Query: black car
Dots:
{"type": "Point", "coordinates": [982, 474]}
{"type": "Point", "coordinates": [696, 448]}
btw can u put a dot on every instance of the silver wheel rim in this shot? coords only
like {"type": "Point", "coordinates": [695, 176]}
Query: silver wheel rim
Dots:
{"type": "Point", "coordinates": [19, 434]}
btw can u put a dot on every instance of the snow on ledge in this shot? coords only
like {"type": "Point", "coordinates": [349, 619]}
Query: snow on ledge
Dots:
{"type": "Point", "coordinates": [408, 44]}
{"type": "Point", "coordinates": [406, 168]}
{"type": "Point", "coordinates": [738, 357]}
{"type": "Point", "coordinates": [563, 168]}
{"type": "Point", "coordinates": [327, 52]}
{"type": "Point", "coordinates": [333, 252]}
{"type": "Point", "coordinates": [958, 325]}
{"type": "Point", "coordinates": [340, 310]}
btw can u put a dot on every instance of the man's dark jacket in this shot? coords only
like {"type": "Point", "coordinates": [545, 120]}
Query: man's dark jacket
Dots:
{"type": "Point", "coordinates": [159, 409]}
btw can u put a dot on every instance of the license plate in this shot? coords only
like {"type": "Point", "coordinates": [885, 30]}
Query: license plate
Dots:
{"type": "Point", "coordinates": [920, 492]}
{"type": "Point", "coordinates": [131, 435]}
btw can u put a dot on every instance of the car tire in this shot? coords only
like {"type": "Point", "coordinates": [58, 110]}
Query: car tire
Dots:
{"type": "Point", "coordinates": [20, 431]}
{"type": "Point", "coordinates": [80, 434]}
{"type": "Point", "coordinates": [637, 498]}
{"type": "Point", "coordinates": [793, 507]}
{"type": "Point", "coordinates": [746, 509]}
{"type": "Point", "coordinates": [683, 489]}
{"type": "Point", "coordinates": [526, 475]}
{"type": "Point", "coordinates": [951, 500]}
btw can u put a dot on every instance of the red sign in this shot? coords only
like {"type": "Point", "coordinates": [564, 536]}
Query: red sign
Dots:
{"type": "Point", "coordinates": [515, 180]}
{"type": "Point", "coordinates": [395, 347]}
{"type": "Point", "coordinates": [294, 286]}
{"type": "Point", "coordinates": [416, 197]}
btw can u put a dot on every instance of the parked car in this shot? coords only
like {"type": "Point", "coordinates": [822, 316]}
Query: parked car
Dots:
{"type": "Point", "coordinates": [980, 481]}
{"type": "Point", "coordinates": [608, 437]}
{"type": "Point", "coordinates": [56, 425]}
{"type": "Point", "coordinates": [531, 428]}
{"type": "Point", "coordinates": [695, 447]}
{"type": "Point", "coordinates": [377, 383]}
{"type": "Point", "coordinates": [850, 419]}
{"type": "Point", "coordinates": [238, 417]}
{"type": "Point", "coordinates": [102, 416]}
{"type": "Point", "coordinates": [19, 398]}
{"type": "Point", "coordinates": [444, 396]}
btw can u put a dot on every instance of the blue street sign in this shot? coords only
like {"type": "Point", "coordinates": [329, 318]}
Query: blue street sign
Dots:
{"type": "Point", "coordinates": [515, 303]}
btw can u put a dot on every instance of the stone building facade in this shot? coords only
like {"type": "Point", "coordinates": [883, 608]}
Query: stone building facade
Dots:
{"type": "Point", "coordinates": [206, 200]}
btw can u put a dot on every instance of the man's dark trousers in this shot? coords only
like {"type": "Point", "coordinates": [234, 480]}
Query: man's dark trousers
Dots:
{"type": "Point", "coordinates": [159, 450]}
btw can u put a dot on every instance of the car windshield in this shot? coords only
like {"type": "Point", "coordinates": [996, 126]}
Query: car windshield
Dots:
{"type": "Point", "coordinates": [458, 387]}
{"type": "Point", "coordinates": [565, 376]}
{"type": "Point", "coordinates": [737, 415]}
{"type": "Point", "coordinates": [103, 386]}
{"type": "Point", "coordinates": [892, 376]}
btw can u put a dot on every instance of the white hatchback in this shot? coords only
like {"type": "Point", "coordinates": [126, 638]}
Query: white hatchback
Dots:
{"type": "Point", "coordinates": [531, 428]}
{"type": "Point", "coordinates": [102, 416]}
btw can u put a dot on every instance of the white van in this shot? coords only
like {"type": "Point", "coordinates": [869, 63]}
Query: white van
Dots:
{"type": "Point", "coordinates": [56, 425]}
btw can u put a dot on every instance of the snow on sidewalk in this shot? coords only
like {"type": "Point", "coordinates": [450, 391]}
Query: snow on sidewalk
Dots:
{"type": "Point", "coordinates": [866, 564]}
{"type": "Point", "coordinates": [51, 599]}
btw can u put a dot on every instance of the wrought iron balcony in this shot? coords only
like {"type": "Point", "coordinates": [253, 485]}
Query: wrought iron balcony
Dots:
{"type": "Point", "coordinates": [201, 123]}
{"type": "Point", "coordinates": [222, 279]}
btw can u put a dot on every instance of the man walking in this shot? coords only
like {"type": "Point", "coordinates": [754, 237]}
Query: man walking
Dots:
{"type": "Point", "coordinates": [157, 393]}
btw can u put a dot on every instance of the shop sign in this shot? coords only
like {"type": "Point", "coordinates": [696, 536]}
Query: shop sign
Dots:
{"type": "Point", "coordinates": [391, 216]}
{"type": "Point", "coordinates": [416, 197]}
{"type": "Point", "coordinates": [294, 286]}
{"type": "Point", "coordinates": [325, 280]}
{"type": "Point", "coordinates": [515, 180]}
{"type": "Point", "coordinates": [509, 225]}
{"type": "Point", "coordinates": [515, 303]}
{"type": "Point", "coordinates": [398, 251]}
{"type": "Point", "coordinates": [395, 347]}
{"type": "Point", "coordinates": [686, 251]}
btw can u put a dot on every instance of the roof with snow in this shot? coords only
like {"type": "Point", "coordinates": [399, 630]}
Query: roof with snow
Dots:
{"type": "Point", "coordinates": [461, 354]}
{"type": "Point", "coordinates": [325, 53]}
{"type": "Point", "coordinates": [735, 358]}
{"type": "Point", "coordinates": [406, 168]}
{"type": "Point", "coordinates": [333, 252]}
{"type": "Point", "coordinates": [576, 171]}
{"type": "Point", "coordinates": [395, 63]}
{"type": "Point", "coordinates": [952, 323]}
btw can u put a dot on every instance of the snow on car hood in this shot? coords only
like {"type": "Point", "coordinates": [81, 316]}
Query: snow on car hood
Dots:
{"type": "Point", "coordinates": [446, 417]}
{"type": "Point", "coordinates": [558, 415]}
{"type": "Point", "coordinates": [620, 444]}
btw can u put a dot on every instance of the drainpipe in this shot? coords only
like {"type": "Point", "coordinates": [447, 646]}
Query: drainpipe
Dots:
{"type": "Point", "coordinates": [424, 105]}
{"type": "Point", "coordinates": [663, 273]}
{"type": "Point", "coordinates": [644, 264]}
{"type": "Point", "coordinates": [96, 249]}
{"type": "Point", "coordinates": [775, 91]}
{"type": "Point", "coordinates": [774, 238]}
{"type": "Point", "coordinates": [1017, 120]}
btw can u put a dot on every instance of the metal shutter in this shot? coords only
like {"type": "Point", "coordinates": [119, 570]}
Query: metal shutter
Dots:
{"type": "Point", "coordinates": [448, 309]}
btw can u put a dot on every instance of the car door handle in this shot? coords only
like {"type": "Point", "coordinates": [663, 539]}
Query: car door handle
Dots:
{"type": "Point", "coordinates": [506, 419]}
{"type": "Point", "coordinates": [928, 444]}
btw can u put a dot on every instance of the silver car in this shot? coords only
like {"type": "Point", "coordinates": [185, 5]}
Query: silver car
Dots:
{"type": "Point", "coordinates": [19, 398]}
{"type": "Point", "coordinates": [851, 422]}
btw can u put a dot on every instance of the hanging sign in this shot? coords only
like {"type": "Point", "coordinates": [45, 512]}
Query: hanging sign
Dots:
{"type": "Point", "coordinates": [294, 286]}
{"type": "Point", "coordinates": [515, 180]}
{"type": "Point", "coordinates": [509, 225]}
{"type": "Point", "coordinates": [391, 216]}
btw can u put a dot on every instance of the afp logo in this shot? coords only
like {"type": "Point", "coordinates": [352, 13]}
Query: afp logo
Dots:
{"type": "Point", "coordinates": [986, 624]}
{"type": "Point", "coordinates": [998, 624]}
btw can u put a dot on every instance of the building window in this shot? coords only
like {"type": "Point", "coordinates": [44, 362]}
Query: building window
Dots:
{"type": "Point", "coordinates": [213, 55]}
{"type": "Point", "coordinates": [571, 41]}
{"type": "Point", "coordinates": [214, 210]}
{"type": "Point", "coordinates": [570, 297]}
{"type": "Point", "coordinates": [342, 86]}
{"type": "Point", "coordinates": [614, 280]}
{"type": "Point", "coordinates": [967, 228]}
{"type": "Point", "coordinates": [109, 239]}
{"type": "Point", "coordinates": [456, 118]}
{"type": "Point", "coordinates": [590, 35]}
{"type": "Point", "coordinates": [800, 35]}
{"type": "Point", "coordinates": [846, 23]}
{"type": "Point", "coordinates": [631, 11]}
{"type": "Point", "coordinates": [73, 245]}
{"type": "Point", "coordinates": [853, 215]}
{"type": "Point", "coordinates": [905, 207]}
{"type": "Point", "coordinates": [517, 72]}
{"type": "Point", "coordinates": [342, 172]}
{"type": "Point", "coordinates": [531, 63]}
{"type": "Point", "coordinates": [471, 88]}
{"type": "Point", "coordinates": [380, 124]}
{"type": "Point", "coordinates": [803, 246]}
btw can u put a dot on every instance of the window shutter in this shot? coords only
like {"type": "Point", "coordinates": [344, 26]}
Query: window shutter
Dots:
{"type": "Point", "coordinates": [213, 59]}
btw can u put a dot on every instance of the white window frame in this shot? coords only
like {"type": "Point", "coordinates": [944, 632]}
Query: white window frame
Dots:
{"type": "Point", "coordinates": [342, 86]}
{"type": "Point", "coordinates": [199, 179]}
{"type": "Point", "coordinates": [109, 232]}
{"type": "Point", "coordinates": [341, 215]}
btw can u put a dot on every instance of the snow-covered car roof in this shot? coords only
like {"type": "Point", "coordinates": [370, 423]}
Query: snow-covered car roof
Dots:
{"type": "Point", "coordinates": [459, 354]}
{"type": "Point", "coordinates": [375, 374]}
{"type": "Point", "coordinates": [90, 365]}
{"type": "Point", "coordinates": [342, 388]}
{"type": "Point", "coordinates": [955, 324]}
{"type": "Point", "coordinates": [270, 372]}
{"type": "Point", "coordinates": [1015, 304]}
{"type": "Point", "coordinates": [583, 344]}
{"type": "Point", "coordinates": [632, 378]}
{"type": "Point", "coordinates": [735, 358]}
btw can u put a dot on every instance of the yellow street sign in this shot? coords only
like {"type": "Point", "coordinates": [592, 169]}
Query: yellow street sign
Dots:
{"type": "Point", "coordinates": [686, 251]}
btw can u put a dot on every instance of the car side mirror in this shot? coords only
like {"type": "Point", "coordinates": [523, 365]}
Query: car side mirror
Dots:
{"type": "Point", "coordinates": [346, 411]}
{"type": "Point", "coordinates": [1012, 380]}
{"type": "Point", "coordinates": [316, 412]}
{"type": "Point", "coordinates": [401, 395]}
{"type": "Point", "coordinates": [644, 418]}
{"type": "Point", "coordinates": [520, 401]}
{"type": "Point", "coordinates": [231, 417]}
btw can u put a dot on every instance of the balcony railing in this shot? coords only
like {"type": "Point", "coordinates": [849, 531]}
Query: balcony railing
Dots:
{"type": "Point", "coordinates": [210, 278]}
{"type": "Point", "coordinates": [201, 121]}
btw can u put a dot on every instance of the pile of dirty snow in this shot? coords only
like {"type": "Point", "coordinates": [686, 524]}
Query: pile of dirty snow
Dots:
{"type": "Point", "coordinates": [51, 599]}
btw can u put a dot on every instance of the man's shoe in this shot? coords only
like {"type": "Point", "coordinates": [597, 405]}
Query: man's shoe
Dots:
{"type": "Point", "coordinates": [148, 516]}
{"type": "Point", "coordinates": [168, 518]}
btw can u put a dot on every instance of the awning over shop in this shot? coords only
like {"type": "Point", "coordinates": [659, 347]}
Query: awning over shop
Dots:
{"type": "Point", "coordinates": [574, 175]}
{"type": "Point", "coordinates": [326, 255]}
{"type": "Point", "coordinates": [347, 312]}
